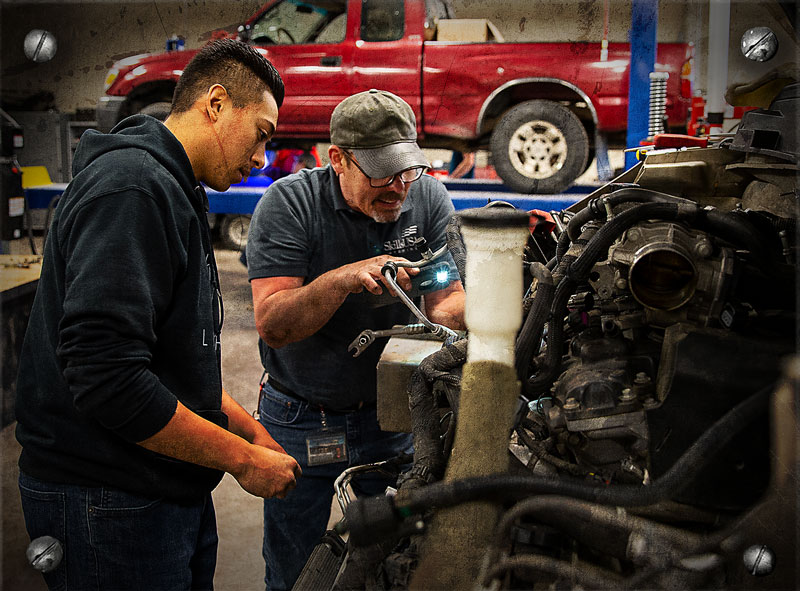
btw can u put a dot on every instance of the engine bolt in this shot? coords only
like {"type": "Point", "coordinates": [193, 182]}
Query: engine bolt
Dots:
{"type": "Point", "coordinates": [627, 395]}
{"type": "Point", "coordinates": [572, 404]}
{"type": "Point", "coordinates": [621, 283]}
{"type": "Point", "coordinates": [704, 249]}
{"type": "Point", "coordinates": [650, 402]}
{"type": "Point", "coordinates": [641, 378]}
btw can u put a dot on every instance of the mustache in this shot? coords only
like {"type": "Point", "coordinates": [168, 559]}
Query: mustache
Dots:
{"type": "Point", "coordinates": [391, 195]}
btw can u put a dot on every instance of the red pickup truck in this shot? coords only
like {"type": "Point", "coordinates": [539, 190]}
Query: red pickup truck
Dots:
{"type": "Point", "coordinates": [536, 106]}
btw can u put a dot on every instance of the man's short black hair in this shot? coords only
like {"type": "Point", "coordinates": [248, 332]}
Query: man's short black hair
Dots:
{"type": "Point", "coordinates": [244, 73]}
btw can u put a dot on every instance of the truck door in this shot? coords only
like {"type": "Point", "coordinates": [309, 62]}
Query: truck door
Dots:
{"type": "Point", "coordinates": [310, 42]}
{"type": "Point", "coordinates": [388, 50]}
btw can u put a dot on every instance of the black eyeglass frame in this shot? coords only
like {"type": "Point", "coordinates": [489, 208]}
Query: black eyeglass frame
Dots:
{"type": "Point", "coordinates": [419, 170]}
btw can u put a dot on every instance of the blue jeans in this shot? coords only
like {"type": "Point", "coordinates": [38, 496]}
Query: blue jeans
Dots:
{"type": "Point", "coordinates": [116, 540]}
{"type": "Point", "coordinates": [294, 525]}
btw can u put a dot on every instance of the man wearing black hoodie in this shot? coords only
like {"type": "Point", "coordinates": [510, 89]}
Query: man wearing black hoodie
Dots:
{"type": "Point", "coordinates": [124, 425]}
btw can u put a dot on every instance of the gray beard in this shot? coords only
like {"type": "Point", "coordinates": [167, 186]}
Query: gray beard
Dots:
{"type": "Point", "coordinates": [386, 218]}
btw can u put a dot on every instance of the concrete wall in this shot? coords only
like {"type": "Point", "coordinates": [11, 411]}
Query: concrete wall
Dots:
{"type": "Point", "coordinates": [92, 35]}
{"type": "Point", "coordinates": [575, 20]}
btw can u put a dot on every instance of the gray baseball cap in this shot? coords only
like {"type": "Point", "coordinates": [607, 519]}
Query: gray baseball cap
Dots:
{"type": "Point", "coordinates": [380, 129]}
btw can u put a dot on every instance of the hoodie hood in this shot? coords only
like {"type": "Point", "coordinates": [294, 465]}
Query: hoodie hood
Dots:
{"type": "Point", "coordinates": [142, 132]}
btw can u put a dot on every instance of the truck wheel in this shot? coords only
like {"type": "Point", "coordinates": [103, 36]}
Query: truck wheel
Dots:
{"type": "Point", "coordinates": [233, 231]}
{"type": "Point", "coordinates": [539, 147]}
{"type": "Point", "coordinates": [159, 110]}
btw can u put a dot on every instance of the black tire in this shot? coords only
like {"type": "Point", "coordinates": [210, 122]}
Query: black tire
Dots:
{"type": "Point", "coordinates": [233, 231]}
{"type": "Point", "coordinates": [589, 159]}
{"type": "Point", "coordinates": [539, 147]}
{"type": "Point", "coordinates": [159, 110]}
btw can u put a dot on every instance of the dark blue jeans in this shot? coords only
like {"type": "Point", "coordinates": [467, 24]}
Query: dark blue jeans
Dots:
{"type": "Point", "coordinates": [294, 525]}
{"type": "Point", "coordinates": [116, 541]}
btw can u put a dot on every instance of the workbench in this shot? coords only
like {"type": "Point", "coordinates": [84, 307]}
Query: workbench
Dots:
{"type": "Point", "coordinates": [19, 277]}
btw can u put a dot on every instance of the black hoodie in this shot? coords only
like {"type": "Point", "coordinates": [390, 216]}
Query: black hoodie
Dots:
{"type": "Point", "coordinates": [125, 322]}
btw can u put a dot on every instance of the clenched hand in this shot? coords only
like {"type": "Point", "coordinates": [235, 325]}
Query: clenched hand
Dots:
{"type": "Point", "coordinates": [268, 473]}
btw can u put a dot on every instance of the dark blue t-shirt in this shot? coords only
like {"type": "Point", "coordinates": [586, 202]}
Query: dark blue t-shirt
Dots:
{"type": "Point", "coordinates": [303, 227]}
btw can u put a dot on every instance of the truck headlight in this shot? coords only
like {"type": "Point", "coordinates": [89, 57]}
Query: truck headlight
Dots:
{"type": "Point", "coordinates": [112, 75]}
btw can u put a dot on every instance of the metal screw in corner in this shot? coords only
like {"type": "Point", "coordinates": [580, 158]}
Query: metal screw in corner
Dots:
{"type": "Point", "coordinates": [759, 560]}
{"type": "Point", "coordinates": [572, 404]}
{"type": "Point", "coordinates": [759, 44]}
{"type": "Point", "coordinates": [45, 554]}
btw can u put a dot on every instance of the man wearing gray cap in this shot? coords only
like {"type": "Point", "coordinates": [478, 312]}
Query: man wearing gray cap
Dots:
{"type": "Point", "coordinates": [318, 240]}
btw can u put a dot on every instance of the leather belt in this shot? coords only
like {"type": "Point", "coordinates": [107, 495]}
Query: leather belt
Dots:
{"type": "Point", "coordinates": [288, 392]}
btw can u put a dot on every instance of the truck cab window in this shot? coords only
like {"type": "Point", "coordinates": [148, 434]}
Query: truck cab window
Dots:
{"type": "Point", "coordinates": [334, 31]}
{"type": "Point", "coordinates": [293, 21]}
{"type": "Point", "coordinates": [382, 20]}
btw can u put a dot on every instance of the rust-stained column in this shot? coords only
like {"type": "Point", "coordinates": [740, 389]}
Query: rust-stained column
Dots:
{"type": "Point", "coordinates": [494, 239]}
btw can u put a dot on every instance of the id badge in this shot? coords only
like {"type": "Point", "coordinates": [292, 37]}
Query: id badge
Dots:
{"type": "Point", "coordinates": [326, 447]}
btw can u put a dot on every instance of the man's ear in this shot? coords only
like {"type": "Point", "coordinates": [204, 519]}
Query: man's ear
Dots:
{"type": "Point", "coordinates": [336, 156]}
{"type": "Point", "coordinates": [217, 99]}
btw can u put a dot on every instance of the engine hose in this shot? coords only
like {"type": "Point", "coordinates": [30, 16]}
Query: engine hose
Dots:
{"type": "Point", "coordinates": [429, 460]}
{"type": "Point", "coordinates": [589, 522]}
{"type": "Point", "coordinates": [455, 244]}
{"type": "Point", "coordinates": [530, 335]}
{"type": "Point", "coordinates": [574, 251]}
{"type": "Point", "coordinates": [370, 518]}
{"type": "Point", "coordinates": [680, 475]}
{"type": "Point", "coordinates": [736, 230]}
{"type": "Point", "coordinates": [596, 209]}
{"type": "Point", "coordinates": [542, 381]}
{"type": "Point", "coordinates": [539, 451]}
{"type": "Point", "coordinates": [578, 271]}
{"type": "Point", "coordinates": [563, 244]}
{"type": "Point", "coordinates": [733, 228]}
{"type": "Point", "coordinates": [586, 575]}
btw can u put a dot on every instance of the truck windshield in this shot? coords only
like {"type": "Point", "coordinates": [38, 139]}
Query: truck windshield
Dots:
{"type": "Point", "coordinates": [295, 21]}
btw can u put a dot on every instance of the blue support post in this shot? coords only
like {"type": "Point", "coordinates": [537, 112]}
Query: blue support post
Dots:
{"type": "Point", "coordinates": [644, 26]}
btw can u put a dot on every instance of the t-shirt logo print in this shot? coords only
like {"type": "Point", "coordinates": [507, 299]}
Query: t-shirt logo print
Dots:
{"type": "Point", "coordinates": [407, 241]}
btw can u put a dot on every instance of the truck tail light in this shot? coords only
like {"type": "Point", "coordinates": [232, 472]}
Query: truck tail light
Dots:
{"type": "Point", "coordinates": [686, 78]}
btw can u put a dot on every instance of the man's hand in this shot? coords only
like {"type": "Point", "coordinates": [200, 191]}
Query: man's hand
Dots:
{"type": "Point", "coordinates": [268, 473]}
{"type": "Point", "coordinates": [287, 310]}
{"type": "Point", "coordinates": [367, 275]}
{"type": "Point", "coordinates": [259, 467]}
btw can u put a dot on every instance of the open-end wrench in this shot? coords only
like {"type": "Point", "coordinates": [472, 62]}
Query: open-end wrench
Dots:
{"type": "Point", "coordinates": [367, 337]}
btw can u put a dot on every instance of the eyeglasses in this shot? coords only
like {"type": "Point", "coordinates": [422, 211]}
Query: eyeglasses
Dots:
{"type": "Point", "coordinates": [407, 176]}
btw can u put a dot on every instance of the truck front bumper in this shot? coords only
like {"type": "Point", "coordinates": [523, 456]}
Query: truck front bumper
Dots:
{"type": "Point", "coordinates": [108, 112]}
